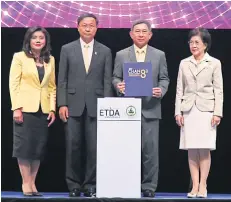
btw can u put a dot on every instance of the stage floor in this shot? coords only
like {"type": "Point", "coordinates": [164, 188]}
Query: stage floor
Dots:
{"type": "Point", "coordinates": [9, 196]}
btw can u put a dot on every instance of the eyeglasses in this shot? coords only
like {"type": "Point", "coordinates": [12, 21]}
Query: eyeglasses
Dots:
{"type": "Point", "coordinates": [144, 32]}
{"type": "Point", "coordinates": [88, 26]}
{"type": "Point", "coordinates": [196, 43]}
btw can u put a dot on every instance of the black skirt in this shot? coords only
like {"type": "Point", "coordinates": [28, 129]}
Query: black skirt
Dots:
{"type": "Point", "coordinates": [30, 137]}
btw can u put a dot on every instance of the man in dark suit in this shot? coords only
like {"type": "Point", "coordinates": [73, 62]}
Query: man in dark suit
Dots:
{"type": "Point", "coordinates": [85, 74]}
{"type": "Point", "coordinates": [141, 33]}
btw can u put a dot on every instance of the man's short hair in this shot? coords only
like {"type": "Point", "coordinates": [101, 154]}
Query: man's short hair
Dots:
{"type": "Point", "coordinates": [87, 15]}
{"type": "Point", "coordinates": [137, 22]}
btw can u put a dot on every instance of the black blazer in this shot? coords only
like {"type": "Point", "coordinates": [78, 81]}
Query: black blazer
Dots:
{"type": "Point", "coordinates": [76, 88]}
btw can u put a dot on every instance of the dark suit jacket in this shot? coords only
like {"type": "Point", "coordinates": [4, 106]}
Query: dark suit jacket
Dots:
{"type": "Point", "coordinates": [151, 107]}
{"type": "Point", "coordinates": [76, 88]}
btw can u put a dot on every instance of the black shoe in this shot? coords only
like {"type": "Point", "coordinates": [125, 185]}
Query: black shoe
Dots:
{"type": "Point", "coordinates": [27, 193]}
{"type": "Point", "coordinates": [75, 192]}
{"type": "Point", "coordinates": [148, 193]}
{"type": "Point", "coordinates": [90, 192]}
{"type": "Point", "coordinates": [36, 194]}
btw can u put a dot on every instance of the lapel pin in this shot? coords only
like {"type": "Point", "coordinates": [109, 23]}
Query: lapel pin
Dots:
{"type": "Point", "coordinates": [95, 53]}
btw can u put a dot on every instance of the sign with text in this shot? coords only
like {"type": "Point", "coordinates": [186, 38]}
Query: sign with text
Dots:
{"type": "Point", "coordinates": [138, 79]}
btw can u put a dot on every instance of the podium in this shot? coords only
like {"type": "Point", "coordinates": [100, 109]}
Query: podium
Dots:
{"type": "Point", "coordinates": [118, 170]}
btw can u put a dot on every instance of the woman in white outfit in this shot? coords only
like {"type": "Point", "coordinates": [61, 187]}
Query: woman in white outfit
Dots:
{"type": "Point", "coordinates": [198, 107]}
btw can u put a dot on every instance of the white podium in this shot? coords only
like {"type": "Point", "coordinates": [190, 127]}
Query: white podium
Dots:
{"type": "Point", "coordinates": [118, 172]}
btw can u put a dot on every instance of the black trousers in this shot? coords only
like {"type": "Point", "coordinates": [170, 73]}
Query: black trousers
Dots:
{"type": "Point", "coordinates": [150, 153]}
{"type": "Point", "coordinates": [81, 137]}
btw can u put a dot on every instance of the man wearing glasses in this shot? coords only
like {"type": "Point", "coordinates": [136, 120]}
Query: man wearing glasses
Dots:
{"type": "Point", "coordinates": [140, 51]}
{"type": "Point", "coordinates": [85, 73]}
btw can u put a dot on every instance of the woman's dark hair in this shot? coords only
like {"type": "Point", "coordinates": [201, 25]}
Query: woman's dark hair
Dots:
{"type": "Point", "coordinates": [45, 52]}
{"type": "Point", "coordinates": [204, 34]}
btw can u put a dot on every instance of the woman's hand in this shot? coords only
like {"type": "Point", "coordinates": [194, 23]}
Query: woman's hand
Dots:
{"type": "Point", "coordinates": [51, 117]}
{"type": "Point", "coordinates": [17, 115]}
{"type": "Point", "coordinates": [216, 121]}
{"type": "Point", "coordinates": [179, 120]}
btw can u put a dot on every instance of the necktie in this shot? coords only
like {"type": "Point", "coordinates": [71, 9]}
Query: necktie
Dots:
{"type": "Point", "coordinates": [140, 57]}
{"type": "Point", "coordinates": [86, 57]}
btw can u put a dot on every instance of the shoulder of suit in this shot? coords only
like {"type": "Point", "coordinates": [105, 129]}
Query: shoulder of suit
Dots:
{"type": "Point", "coordinates": [20, 54]}
{"type": "Point", "coordinates": [186, 60]}
{"type": "Point", "coordinates": [102, 46]}
{"type": "Point", "coordinates": [52, 57]}
{"type": "Point", "coordinates": [213, 59]}
{"type": "Point", "coordinates": [121, 52]}
{"type": "Point", "coordinates": [70, 45]}
{"type": "Point", "coordinates": [157, 51]}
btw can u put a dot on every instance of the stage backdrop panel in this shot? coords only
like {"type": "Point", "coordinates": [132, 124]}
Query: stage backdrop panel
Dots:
{"type": "Point", "coordinates": [118, 14]}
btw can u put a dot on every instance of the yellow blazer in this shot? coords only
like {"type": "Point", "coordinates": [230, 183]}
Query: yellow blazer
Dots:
{"type": "Point", "coordinates": [26, 91]}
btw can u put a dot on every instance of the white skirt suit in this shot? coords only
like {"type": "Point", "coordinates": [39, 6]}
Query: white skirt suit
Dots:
{"type": "Point", "coordinates": [199, 96]}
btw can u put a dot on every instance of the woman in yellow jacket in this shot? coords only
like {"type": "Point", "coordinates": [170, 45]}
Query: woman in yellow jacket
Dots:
{"type": "Point", "coordinates": [33, 99]}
